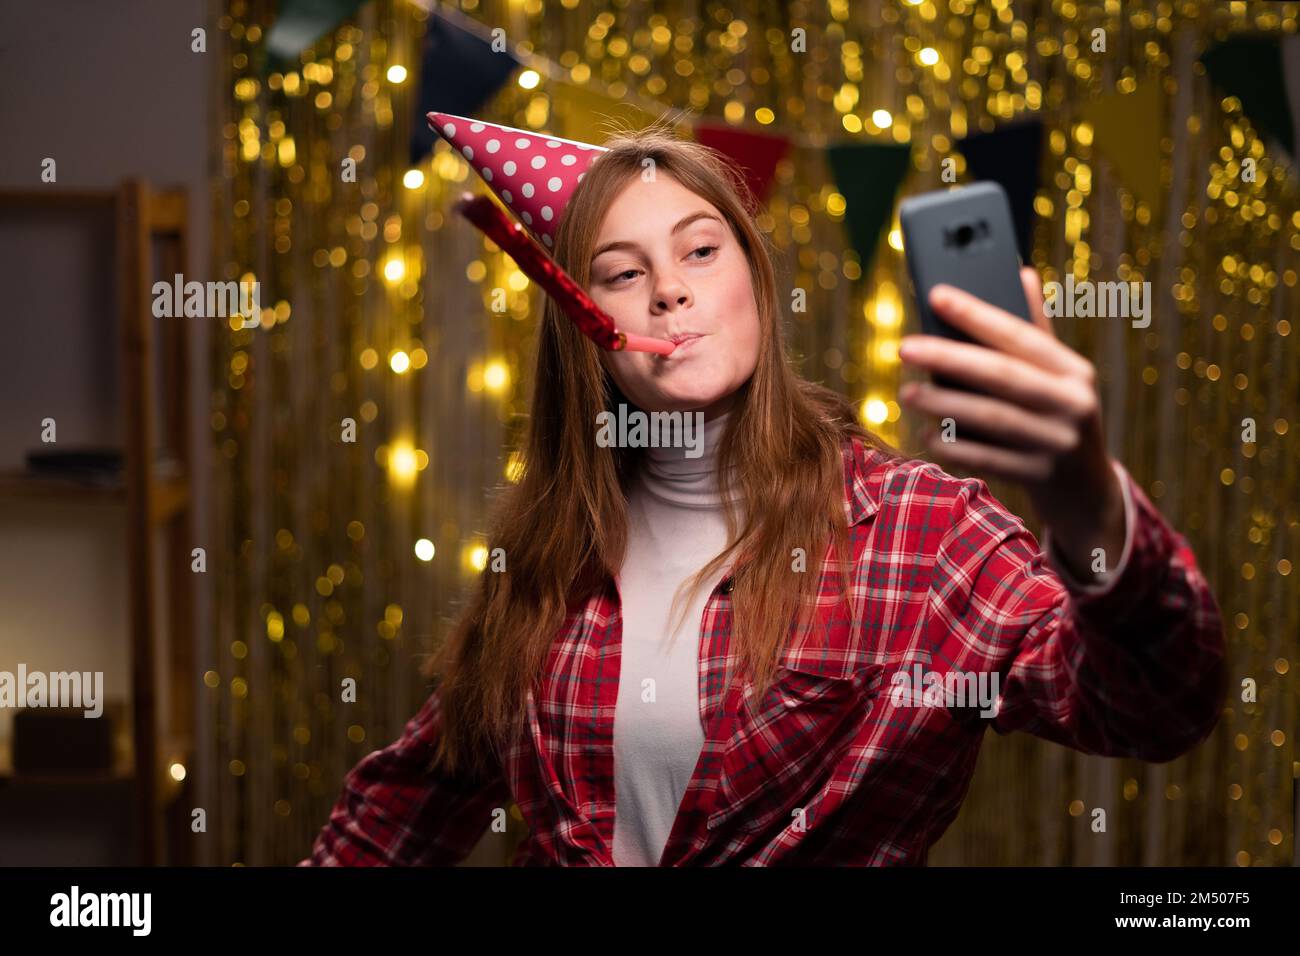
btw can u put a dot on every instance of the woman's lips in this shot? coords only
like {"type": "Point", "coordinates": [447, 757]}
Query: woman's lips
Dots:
{"type": "Point", "coordinates": [684, 344]}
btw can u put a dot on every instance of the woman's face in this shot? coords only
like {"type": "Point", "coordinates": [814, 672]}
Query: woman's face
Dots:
{"type": "Point", "coordinates": [667, 265]}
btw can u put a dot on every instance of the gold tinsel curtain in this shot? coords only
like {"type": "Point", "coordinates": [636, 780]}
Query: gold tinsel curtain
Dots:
{"type": "Point", "coordinates": [343, 559]}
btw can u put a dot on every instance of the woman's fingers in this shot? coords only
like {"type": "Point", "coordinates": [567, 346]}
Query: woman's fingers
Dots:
{"type": "Point", "coordinates": [1032, 408]}
{"type": "Point", "coordinates": [1005, 332]}
{"type": "Point", "coordinates": [995, 419]}
{"type": "Point", "coordinates": [1002, 375]}
{"type": "Point", "coordinates": [1033, 284]}
{"type": "Point", "coordinates": [1022, 466]}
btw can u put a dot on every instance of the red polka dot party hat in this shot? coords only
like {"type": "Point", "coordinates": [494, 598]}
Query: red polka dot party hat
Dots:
{"type": "Point", "coordinates": [534, 174]}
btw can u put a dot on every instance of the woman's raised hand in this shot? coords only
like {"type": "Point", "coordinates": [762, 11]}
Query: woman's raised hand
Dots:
{"type": "Point", "coordinates": [1038, 419]}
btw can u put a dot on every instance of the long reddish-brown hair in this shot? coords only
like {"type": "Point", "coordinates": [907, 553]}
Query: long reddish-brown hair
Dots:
{"type": "Point", "coordinates": [563, 524]}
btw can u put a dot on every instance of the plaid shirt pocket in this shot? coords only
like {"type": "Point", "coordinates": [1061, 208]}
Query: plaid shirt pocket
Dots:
{"type": "Point", "coordinates": [784, 749]}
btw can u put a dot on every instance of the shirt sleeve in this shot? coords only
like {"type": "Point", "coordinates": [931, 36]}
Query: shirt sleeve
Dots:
{"type": "Point", "coordinates": [396, 811]}
{"type": "Point", "coordinates": [1133, 668]}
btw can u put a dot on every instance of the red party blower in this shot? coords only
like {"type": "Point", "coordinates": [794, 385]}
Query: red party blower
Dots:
{"type": "Point", "coordinates": [590, 319]}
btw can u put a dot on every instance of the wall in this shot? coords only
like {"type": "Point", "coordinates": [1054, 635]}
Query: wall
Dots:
{"type": "Point", "coordinates": [109, 90]}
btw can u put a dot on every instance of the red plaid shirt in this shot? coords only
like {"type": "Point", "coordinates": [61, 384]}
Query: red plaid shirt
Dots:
{"type": "Point", "coordinates": [826, 768]}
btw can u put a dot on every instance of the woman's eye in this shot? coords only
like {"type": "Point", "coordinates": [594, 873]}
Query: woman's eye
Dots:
{"type": "Point", "coordinates": [631, 273]}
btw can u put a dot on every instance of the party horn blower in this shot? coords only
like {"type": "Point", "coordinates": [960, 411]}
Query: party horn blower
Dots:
{"type": "Point", "coordinates": [590, 319]}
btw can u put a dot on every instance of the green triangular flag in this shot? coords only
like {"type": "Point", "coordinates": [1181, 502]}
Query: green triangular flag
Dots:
{"type": "Point", "coordinates": [301, 23]}
{"type": "Point", "coordinates": [868, 175]}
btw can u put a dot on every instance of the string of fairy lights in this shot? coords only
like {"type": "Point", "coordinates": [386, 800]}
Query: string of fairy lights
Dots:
{"type": "Point", "coordinates": [343, 556]}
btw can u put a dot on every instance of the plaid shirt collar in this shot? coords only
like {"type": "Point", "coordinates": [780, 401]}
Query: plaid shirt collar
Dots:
{"type": "Point", "coordinates": [861, 482]}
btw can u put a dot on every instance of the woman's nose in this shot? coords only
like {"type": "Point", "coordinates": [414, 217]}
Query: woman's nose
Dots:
{"type": "Point", "coordinates": [677, 295]}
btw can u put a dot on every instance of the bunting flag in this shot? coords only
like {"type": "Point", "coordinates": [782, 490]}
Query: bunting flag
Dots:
{"type": "Point", "coordinates": [1263, 72]}
{"type": "Point", "coordinates": [868, 176]}
{"type": "Point", "coordinates": [301, 23]}
{"type": "Point", "coordinates": [755, 153]}
{"type": "Point", "coordinates": [1126, 130]}
{"type": "Point", "coordinates": [1011, 156]}
{"type": "Point", "coordinates": [459, 72]}
{"type": "Point", "coordinates": [1291, 75]}
{"type": "Point", "coordinates": [589, 116]}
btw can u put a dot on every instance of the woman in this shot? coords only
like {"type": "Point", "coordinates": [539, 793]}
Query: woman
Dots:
{"type": "Point", "coordinates": [838, 583]}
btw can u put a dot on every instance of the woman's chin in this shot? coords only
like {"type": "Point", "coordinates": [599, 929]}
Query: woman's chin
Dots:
{"type": "Point", "coordinates": [688, 387]}
{"type": "Point", "coordinates": [687, 401]}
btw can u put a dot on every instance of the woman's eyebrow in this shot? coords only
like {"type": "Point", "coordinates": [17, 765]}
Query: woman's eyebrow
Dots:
{"type": "Point", "coordinates": [681, 224]}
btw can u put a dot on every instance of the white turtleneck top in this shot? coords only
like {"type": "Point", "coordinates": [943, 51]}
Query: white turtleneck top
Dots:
{"type": "Point", "coordinates": [676, 525]}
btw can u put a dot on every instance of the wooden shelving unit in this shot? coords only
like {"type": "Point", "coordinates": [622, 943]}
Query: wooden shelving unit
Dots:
{"type": "Point", "coordinates": [150, 226]}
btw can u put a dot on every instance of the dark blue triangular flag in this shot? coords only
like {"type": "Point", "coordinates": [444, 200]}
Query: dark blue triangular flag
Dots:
{"type": "Point", "coordinates": [459, 72]}
{"type": "Point", "coordinates": [1010, 156]}
{"type": "Point", "coordinates": [1252, 67]}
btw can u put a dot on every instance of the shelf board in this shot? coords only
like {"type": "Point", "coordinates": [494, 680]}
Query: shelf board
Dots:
{"type": "Point", "coordinates": [66, 779]}
{"type": "Point", "coordinates": [172, 750]}
{"type": "Point", "coordinates": [68, 198]}
{"type": "Point", "coordinates": [20, 484]}
{"type": "Point", "coordinates": [8, 777]}
{"type": "Point", "coordinates": [170, 495]}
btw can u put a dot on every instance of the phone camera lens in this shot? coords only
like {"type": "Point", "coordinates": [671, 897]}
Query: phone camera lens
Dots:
{"type": "Point", "coordinates": [964, 236]}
